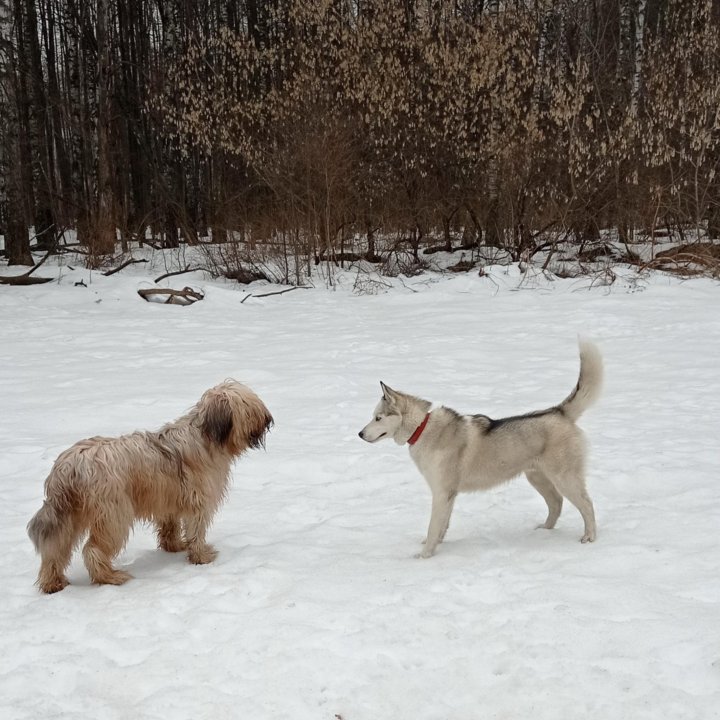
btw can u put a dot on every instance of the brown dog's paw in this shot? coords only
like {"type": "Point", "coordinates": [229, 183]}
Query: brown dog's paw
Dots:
{"type": "Point", "coordinates": [115, 577]}
{"type": "Point", "coordinates": [202, 556]}
{"type": "Point", "coordinates": [172, 545]}
{"type": "Point", "coordinates": [54, 585]}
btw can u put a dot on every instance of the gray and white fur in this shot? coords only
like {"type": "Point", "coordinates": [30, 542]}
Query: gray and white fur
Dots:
{"type": "Point", "coordinates": [464, 453]}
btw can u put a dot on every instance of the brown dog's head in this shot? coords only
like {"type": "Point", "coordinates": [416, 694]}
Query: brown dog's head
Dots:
{"type": "Point", "coordinates": [233, 417]}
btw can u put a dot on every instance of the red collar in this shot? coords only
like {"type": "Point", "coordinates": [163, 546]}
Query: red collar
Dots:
{"type": "Point", "coordinates": [418, 431]}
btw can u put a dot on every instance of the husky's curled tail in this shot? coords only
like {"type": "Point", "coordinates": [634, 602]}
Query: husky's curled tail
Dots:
{"type": "Point", "coordinates": [589, 384]}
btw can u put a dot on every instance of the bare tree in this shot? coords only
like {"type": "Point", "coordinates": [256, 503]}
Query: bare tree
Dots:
{"type": "Point", "coordinates": [331, 130]}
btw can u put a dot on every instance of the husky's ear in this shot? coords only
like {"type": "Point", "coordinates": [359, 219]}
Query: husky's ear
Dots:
{"type": "Point", "coordinates": [388, 393]}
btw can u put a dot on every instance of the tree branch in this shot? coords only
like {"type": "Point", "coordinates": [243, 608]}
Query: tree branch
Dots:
{"type": "Point", "coordinates": [278, 292]}
{"type": "Point", "coordinates": [108, 273]}
{"type": "Point", "coordinates": [177, 272]}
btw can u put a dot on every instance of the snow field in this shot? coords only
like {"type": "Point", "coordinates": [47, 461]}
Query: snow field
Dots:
{"type": "Point", "coordinates": [315, 607]}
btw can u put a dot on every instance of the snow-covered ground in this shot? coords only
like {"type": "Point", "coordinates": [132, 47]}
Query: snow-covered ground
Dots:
{"type": "Point", "coordinates": [316, 608]}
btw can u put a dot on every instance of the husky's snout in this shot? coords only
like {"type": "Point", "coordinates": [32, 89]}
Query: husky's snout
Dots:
{"type": "Point", "coordinates": [371, 440]}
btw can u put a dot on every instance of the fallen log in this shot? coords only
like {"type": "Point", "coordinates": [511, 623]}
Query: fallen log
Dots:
{"type": "Point", "coordinates": [186, 296]}
{"type": "Point", "coordinates": [24, 279]}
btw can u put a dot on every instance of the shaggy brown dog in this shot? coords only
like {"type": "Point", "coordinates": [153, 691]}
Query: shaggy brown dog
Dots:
{"type": "Point", "coordinates": [176, 478]}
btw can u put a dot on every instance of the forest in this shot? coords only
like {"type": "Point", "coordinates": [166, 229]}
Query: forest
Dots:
{"type": "Point", "coordinates": [333, 130]}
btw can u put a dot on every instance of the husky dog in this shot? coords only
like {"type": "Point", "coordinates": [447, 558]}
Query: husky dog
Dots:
{"type": "Point", "coordinates": [463, 453]}
{"type": "Point", "coordinates": [175, 477]}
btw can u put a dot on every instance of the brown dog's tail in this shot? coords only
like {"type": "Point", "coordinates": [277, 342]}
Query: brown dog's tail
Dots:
{"type": "Point", "coordinates": [47, 526]}
{"type": "Point", "coordinates": [589, 383]}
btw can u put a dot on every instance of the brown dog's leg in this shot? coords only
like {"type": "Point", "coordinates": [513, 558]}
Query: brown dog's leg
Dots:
{"type": "Point", "coordinates": [199, 552]}
{"type": "Point", "coordinates": [169, 536]}
{"type": "Point", "coordinates": [54, 530]}
{"type": "Point", "coordinates": [55, 559]}
{"type": "Point", "coordinates": [105, 542]}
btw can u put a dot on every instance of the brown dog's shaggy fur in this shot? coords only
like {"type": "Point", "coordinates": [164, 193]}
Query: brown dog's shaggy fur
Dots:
{"type": "Point", "coordinates": [175, 478]}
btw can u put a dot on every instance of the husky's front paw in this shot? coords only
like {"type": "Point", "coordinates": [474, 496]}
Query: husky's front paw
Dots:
{"type": "Point", "coordinates": [425, 554]}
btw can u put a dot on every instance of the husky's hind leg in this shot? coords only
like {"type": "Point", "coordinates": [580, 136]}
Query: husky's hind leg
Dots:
{"type": "Point", "coordinates": [565, 468]}
{"type": "Point", "coordinates": [551, 496]}
{"type": "Point", "coordinates": [576, 493]}
{"type": "Point", "coordinates": [572, 486]}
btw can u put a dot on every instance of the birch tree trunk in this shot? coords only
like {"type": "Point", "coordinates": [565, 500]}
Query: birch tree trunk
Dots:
{"type": "Point", "coordinates": [42, 174]}
{"type": "Point", "coordinates": [103, 240]}
{"type": "Point", "coordinates": [493, 232]}
{"type": "Point", "coordinates": [79, 144]}
{"type": "Point", "coordinates": [61, 172]}
{"type": "Point", "coordinates": [170, 189]}
{"type": "Point", "coordinates": [625, 42]}
{"type": "Point", "coordinates": [17, 238]}
{"type": "Point", "coordinates": [639, 49]}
